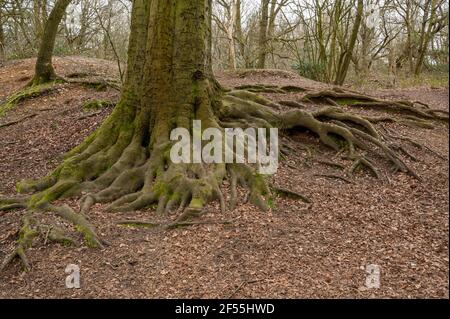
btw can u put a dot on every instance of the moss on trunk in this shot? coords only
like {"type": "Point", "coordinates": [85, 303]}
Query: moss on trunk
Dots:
{"type": "Point", "coordinates": [44, 71]}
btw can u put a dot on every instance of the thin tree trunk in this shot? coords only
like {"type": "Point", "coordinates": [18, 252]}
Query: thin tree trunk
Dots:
{"type": "Point", "coordinates": [2, 36]}
{"type": "Point", "coordinates": [39, 17]}
{"type": "Point", "coordinates": [409, 30]}
{"type": "Point", "coordinates": [107, 29]}
{"type": "Point", "coordinates": [44, 71]}
{"type": "Point", "coordinates": [345, 63]}
{"type": "Point", "coordinates": [230, 35]}
{"type": "Point", "coordinates": [262, 40]}
{"type": "Point", "coordinates": [83, 26]}
{"type": "Point", "coordinates": [238, 32]}
{"type": "Point", "coordinates": [426, 34]}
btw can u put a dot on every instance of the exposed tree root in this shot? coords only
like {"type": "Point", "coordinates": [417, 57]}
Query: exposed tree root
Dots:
{"type": "Point", "coordinates": [171, 224]}
{"type": "Point", "coordinates": [26, 94]}
{"type": "Point", "coordinates": [338, 97]}
{"type": "Point", "coordinates": [26, 237]}
{"type": "Point", "coordinates": [260, 88]}
{"type": "Point", "coordinates": [129, 170]}
{"type": "Point", "coordinates": [7, 204]}
{"type": "Point", "coordinates": [364, 162]}
{"type": "Point", "coordinates": [31, 229]}
{"type": "Point", "coordinates": [96, 105]}
{"type": "Point", "coordinates": [293, 104]}
{"type": "Point", "coordinates": [98, 84]}
{"type": "Point", "coordinates": [394, 137]}
{"type": "Point", "coordinates": [92, 114]}
{"type": "Point", "coordinates": [33, 90]}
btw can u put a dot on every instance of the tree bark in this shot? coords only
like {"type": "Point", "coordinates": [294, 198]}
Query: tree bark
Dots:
{"type": "Point", "coordinates": [238, 31]}
{"type": "Point", "coordinates": [44, 71]}
{"type": "Point", "coordinates": [347, 55]}
{"type": "Point", "coordinates": [39, 17]}
{"type": "Point", "coordinates": [2, 36]}
{"type": "Point", "coordinates": [231, 35]}
{"type": "Point", "coordinates": [429, 18]}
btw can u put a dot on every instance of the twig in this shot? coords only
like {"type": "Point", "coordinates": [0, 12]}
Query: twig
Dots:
{"type": "Point", "coordinates": [244, 284]}
{"type": "Point", "coordinates": [18, 121]}
{"type": "Point", "coordinates": [332, 164]}
{"type": "Point", "coordinates": [171, 225]}
{"type": "Point", "coordinates": [193, 223]}
{"type": "Point", "coordinates": [291, 194]}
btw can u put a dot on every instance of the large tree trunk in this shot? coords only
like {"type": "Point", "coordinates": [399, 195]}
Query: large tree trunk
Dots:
{"type": "Point", "coordinates": [39, 17]}
{"type": "Point", "coordinates": [44, 71]}
{"type": "Point", "coordinates": [238, 31]}
{"type": "Point", "coordinates": [169, 83]}
{"type": "Point", "coordinates": [178, 83]}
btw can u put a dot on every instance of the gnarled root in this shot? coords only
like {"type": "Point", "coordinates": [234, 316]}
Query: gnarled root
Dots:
{"type": "Point", "coordinates": [36, 89]}
{"type": "Point", "coordinates": [31, 229]}
{"type": "Point", "coordinates": [413, 113]}
{"type": "Point", "coordinates": [26, 236]}
{"type": "Point", "coordinates": [334, 127]}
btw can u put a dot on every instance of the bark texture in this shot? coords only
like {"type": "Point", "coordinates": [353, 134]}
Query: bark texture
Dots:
{"type": "Point", "coordinates": [346, 57]}
{"type": "Point", "coordinates": [44, 71]}
{"type": "Point", "coordinates": [2, 37]}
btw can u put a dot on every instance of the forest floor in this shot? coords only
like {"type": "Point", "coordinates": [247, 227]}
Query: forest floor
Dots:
{"type": "Point", "coordinates": [296, 250]}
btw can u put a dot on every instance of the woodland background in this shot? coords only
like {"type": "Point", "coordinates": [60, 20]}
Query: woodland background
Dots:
{"type": "Point", "coordinates": [395, 38]}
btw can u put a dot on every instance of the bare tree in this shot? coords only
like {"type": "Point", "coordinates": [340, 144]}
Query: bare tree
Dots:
{"type": "Point", "coordinates": [346, 55]}
{"type": "Point", "coordinates": [2, 33]}
{"type": "Point", "coordinates": [44, 71]}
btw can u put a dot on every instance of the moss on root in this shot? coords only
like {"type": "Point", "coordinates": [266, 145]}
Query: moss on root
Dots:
{"type": "Point", "coordinates": [26, 93]}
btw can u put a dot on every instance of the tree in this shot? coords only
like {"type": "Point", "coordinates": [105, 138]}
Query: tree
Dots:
{"type": "Point", "coordinates": [39, 17]}
{"type": "Point", "coordinates": [169, 83]}
{"type": "Point", "coordinates": [44, 71]}
{"type": "Point", "coordinates": [2, 35]}
{"type": "Point", "coordinates": [231, 10]}
{"type": "Point", "coordinates": [239, 35]}
{"type": "Point", "coordinates": [346, 57]}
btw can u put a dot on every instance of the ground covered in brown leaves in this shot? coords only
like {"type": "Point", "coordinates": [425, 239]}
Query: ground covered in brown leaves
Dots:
{"type": "Point", "coordinates": [296, 250]}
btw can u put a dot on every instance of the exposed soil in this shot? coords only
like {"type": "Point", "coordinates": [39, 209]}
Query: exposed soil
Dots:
{"type": "Point", "coordinates": [296, 250]}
